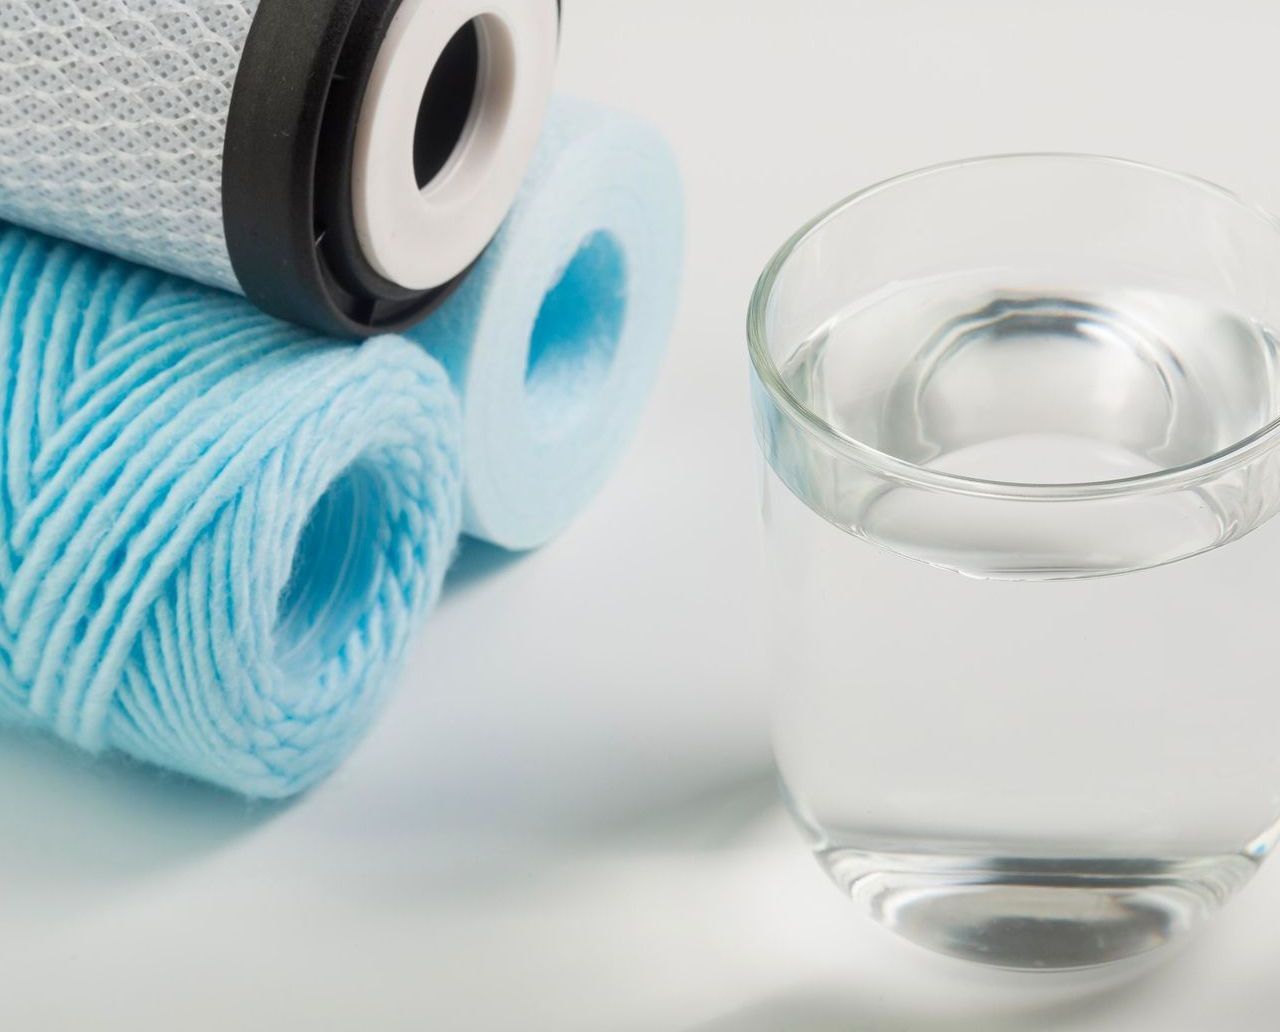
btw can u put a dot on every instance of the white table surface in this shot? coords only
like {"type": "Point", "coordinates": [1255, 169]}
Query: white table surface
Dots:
{"type": "Point", "coordinates": [566, 820]}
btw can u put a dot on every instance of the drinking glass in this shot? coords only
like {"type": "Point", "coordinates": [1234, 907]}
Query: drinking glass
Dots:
{"type": "Point", "coordinates": [1020, 417]}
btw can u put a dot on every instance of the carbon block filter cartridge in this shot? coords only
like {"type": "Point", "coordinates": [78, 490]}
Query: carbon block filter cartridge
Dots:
{"type": "Point", "coordinates": [339, 162]}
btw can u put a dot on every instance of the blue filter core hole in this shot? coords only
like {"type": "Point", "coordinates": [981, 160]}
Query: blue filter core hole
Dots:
{"type": "Point", "coordinates": [335, 571]}
{"type": "Point", "coordinates": [575, 337]}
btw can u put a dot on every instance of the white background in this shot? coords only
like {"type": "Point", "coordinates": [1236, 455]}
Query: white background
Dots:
{"type": "Point", "coordinates": [566, 820]}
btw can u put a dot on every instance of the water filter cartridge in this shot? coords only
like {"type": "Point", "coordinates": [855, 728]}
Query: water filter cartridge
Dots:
{"type": "Point", "coordinates": [339, 162]}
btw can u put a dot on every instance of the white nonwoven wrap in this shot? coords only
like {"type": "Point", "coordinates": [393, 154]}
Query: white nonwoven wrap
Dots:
{"type": "Point", "coordinates": [112, 118]}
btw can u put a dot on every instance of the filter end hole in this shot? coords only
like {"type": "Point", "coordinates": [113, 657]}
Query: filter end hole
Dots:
{"type": "Point", "coordinates": [447, 103]}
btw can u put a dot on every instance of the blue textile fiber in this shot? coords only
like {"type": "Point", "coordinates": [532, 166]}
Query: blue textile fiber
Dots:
{"type": "Point", "coordinates": [217, 533]}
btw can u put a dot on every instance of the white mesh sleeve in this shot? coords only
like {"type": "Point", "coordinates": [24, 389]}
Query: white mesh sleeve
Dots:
{"type": "Point", "coordinates": [112, 119]}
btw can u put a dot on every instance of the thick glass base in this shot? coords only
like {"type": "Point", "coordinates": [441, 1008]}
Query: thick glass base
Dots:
{"type": "Point", "coordinates": [1037, 914]}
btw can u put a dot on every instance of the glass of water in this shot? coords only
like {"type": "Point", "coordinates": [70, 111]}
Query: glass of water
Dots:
{"type": "Point", "coordinates": [1020, 418]}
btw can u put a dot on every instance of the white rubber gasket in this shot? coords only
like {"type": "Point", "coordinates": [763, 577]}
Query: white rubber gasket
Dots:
{"type": "Point", "coordinates": [422, 238]}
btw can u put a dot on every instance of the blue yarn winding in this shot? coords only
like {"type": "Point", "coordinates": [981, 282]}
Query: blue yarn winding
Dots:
{"type": "Point", "coordinates": [217, 533]}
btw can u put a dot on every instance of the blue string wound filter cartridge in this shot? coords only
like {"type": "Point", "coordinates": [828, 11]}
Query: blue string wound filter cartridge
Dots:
{"type": "Point", "coordinates": [339, 162]}
{"type": "Point", "coordinates": [556, 337]}
{"type": "Point", "coordinates": [217, 531]}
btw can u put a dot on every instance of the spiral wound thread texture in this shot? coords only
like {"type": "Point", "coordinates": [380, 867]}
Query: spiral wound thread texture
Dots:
{"type": "Point", "coordinates": [112, 120]}
{"type": "Point", "coordinates": [216, 532]}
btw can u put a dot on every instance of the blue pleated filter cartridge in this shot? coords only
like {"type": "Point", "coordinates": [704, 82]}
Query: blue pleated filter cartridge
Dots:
{"type": "Point", "coordinates": [218, 533]}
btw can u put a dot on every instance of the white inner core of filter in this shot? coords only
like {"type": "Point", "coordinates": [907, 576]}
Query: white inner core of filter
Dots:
{"type": "Point", "coordinates": [421, 235]}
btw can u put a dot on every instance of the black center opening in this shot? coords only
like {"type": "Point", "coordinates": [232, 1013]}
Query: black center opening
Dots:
{"type": "Point", "coordinates": [446, 104]}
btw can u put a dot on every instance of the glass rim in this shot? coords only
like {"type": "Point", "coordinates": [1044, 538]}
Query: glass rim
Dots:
{"type": "Point", "coordinates": [909, 473]}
